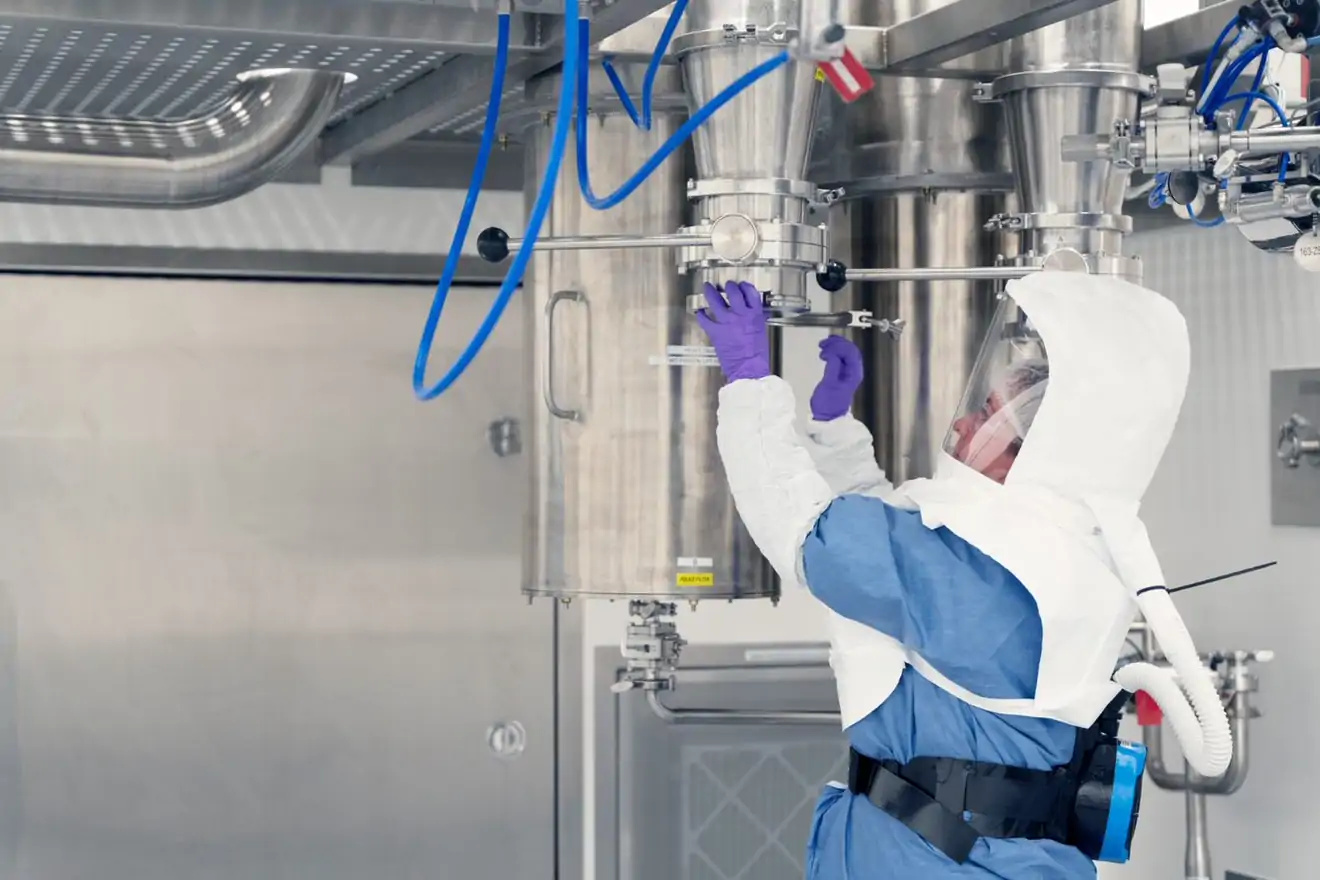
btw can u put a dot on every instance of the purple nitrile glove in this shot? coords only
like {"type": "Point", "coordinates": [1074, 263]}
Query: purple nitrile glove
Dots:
{"type": "Point", "coordinates": [843, 376]}
{"type": "Point", "coordinates": [737, 330]}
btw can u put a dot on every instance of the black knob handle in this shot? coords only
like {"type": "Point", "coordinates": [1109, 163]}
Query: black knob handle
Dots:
{"type": "Point", "coordinates": [834, 277]}
{"type": "Point", "coordinates": [493, 245]}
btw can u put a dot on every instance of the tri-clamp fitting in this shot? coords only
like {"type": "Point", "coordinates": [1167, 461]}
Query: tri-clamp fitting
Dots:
{"type": "Point", "coordinates": [651, 647]}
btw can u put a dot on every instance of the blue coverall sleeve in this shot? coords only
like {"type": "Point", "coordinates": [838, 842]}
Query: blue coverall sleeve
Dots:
{"type": "Point", "coordinates": [881, 566]}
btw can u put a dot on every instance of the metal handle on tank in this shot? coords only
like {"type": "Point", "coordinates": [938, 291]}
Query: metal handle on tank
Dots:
{"type": "Point", "coordinates": [548, 389]}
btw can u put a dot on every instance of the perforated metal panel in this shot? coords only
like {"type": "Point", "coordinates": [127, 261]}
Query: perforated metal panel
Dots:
{"type": "Point", "coordinates": [136, 73]}
{"type": "Point", "coordinates": [748, 810]}
{"type": "Point", "coordinates": [512, 108]}
{"type": "Point", "coordinates": [696, 802]}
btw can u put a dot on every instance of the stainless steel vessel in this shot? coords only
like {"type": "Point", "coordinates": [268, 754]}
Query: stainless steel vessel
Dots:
{"type": "Point", "coordinates": [928, 169]}
{"type": "Point", "coordinates": [1075, 77]}
{"type": "Point", "coordinates": [752, 156]}
{"type": "Point", "coordinates": [628, 493]}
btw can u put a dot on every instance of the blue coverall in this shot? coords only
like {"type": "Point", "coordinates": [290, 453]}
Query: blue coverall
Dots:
{"type": "Point", "coordinates": [975, 623]}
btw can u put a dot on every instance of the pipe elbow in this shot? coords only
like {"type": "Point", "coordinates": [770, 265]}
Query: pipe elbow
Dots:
{"type": "Point", "coordinates": [227, 150]}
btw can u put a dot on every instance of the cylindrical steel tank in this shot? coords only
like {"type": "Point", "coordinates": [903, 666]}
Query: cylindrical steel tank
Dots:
{"type": "Point", "coordinates": [927, 167]}
{"type": "Point", "coordinates": [629, 497]}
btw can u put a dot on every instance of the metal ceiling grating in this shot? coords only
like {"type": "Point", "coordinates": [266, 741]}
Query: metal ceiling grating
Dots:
{"type": "Point", "coordinates": [94, 69]}
{"type": "Point", "coordinates": [471, 121]}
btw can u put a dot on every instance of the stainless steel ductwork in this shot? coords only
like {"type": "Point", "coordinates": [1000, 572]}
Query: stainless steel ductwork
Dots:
{"type": "Point", "coordinates": [925, 169]}
{"type": "Point", "coordinates": [242, 142]}
{"type": "Point", "coordinates": [629, 498]}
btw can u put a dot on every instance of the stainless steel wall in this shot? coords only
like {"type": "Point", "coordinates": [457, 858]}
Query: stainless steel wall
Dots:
{"type": "Point", "coordinates": [258, 607]}
{"type": "Point", "coordinates": [923, 151]}
{"type": "Point", "coordinates": [628, 493]}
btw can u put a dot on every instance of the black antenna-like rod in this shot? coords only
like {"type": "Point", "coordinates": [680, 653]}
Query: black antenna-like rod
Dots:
{"type": "Point", "coordinates": [1224, 577]}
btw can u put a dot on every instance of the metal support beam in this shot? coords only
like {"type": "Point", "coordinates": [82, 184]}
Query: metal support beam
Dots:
{"type": "Point", "coordinates": [440, 164]}
{"type": "Point", "coordinates": [1186, 40]}
{"type": "Point", "coordinates": [437, 27]}
{"type": "Point", "coordinates": [461, 87]}
{"type": "Point", "coordinates": [924, 42]}
{"type": "Point", "coordinates": [188, 262]}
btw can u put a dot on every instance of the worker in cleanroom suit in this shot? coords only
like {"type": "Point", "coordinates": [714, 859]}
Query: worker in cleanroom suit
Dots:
{"type": "Point", "coordinates": [977, 617]}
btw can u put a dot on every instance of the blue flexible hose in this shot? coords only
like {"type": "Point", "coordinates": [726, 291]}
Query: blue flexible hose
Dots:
{"type": "Point", "coordinates": [1255, 87]}
{"type": "Point", "coordinates": [1214, 53]}
{"type": "Point", "coordinates": [1159, 196]}
{"type": "Point", "coordinates": [643, 120]}
{"type": "Point", "coordinates": [1232, 75]}
{"type": "Point", "coordinates": [1204, 224]}
{"type": "Point", "coordinates": [563, 126]}
{"type": "Point", "coordinates": [675, 141]}
{"type": "Point", "coordinates": [1259, 96]}
{"type": "Point", "coordinates": [622, 91]}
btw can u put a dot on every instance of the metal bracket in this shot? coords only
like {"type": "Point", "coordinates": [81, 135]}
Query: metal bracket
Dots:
{"type": "Point", "coordinates": [505, 437]}
{"type": "Point", "coordinates": [860, 319]}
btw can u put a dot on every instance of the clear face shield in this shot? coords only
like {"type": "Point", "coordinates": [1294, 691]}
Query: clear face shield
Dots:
{"type": "Point", "coordinates": [1003, 395]}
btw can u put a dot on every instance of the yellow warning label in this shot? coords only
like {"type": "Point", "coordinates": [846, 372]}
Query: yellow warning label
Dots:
{"type": "Point", "coordinates": [696, 579]}
{"type": "Point", "coordinates": [820, 75]}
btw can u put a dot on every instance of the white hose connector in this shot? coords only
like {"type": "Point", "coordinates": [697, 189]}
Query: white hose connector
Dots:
{"type": "Point", "coordinates": [1201, 726]}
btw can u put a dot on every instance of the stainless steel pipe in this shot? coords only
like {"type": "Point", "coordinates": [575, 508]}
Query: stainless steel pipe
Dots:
{"type": "Point", "coordinates": [736, 716]}
{"type": "Point", "coordinates": [1272, 140]}
{"type": "Point", "coordinates": [610, 242]}
{"type": "Point", "coordinates": [969, 273]}
{"type": "Point", "coordinates": [268, 120]}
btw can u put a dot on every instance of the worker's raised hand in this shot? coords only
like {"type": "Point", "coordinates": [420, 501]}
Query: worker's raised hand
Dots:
{"type": "Point", "coordinates": [834, 394]}
{"type": "Point", "coordinates": [735, 322]}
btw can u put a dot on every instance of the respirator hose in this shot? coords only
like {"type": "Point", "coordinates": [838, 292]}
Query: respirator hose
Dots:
{"type": "Point", "coordinates": [1190, 702]}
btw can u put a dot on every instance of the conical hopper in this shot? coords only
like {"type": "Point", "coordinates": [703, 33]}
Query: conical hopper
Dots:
{"type": "Point", "coordinates": [1075, 77]}
{"type": "Point", "coordinates": [766, 131]}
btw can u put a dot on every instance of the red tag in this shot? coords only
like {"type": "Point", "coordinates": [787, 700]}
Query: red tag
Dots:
{"type": "Point", "coordinates": [849, 78]}
{"type": "Point", "coordinates": [1149, 713]}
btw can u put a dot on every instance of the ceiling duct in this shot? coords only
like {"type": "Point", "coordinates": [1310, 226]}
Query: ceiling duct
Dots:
{"type": "Point", "coordinates": [225, 151]}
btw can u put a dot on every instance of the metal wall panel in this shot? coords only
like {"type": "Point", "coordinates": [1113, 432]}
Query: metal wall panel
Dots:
{"type": "Point", "coordinates": [259, 607]}
{"type": "Point", "coordinates": [1208, 511]}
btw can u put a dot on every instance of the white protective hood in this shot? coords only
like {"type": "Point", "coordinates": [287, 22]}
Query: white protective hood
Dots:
{"type": "Point", "coordinates": [1066, 522]}
{"type": "Point", "coordinates": [1119, 363]}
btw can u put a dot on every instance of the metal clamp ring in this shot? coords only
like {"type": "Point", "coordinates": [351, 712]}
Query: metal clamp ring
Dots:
{"type": "Point", "coordinates": [769, 186]}
{"type": "Point", "coordinates": [1055, 79]}
{"type": "Point", "coordinates": [777, 35]}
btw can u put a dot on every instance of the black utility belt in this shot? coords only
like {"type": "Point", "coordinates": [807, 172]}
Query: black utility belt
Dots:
{"type": "Point", "coordinates": [1091, 803]}
{"type": "Point", "coordinates": [953, 804]}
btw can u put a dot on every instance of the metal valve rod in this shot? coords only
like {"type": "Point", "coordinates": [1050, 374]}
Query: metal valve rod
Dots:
{"type": "Point", "coordinates": [494, 244]}
{"type": "Point", "coordinates": [953, 273]}
{"type": "Point", "coordinates": [838, 320]}
{"type": "Point", "coordinates": [836, 275]}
